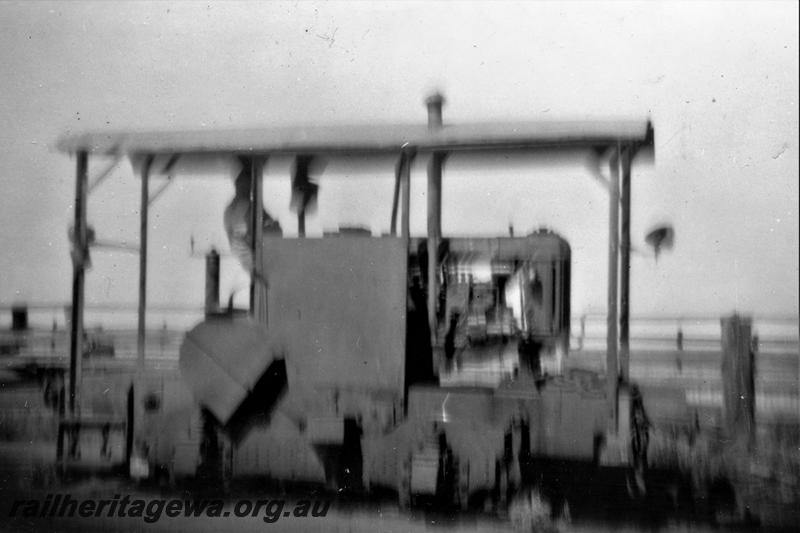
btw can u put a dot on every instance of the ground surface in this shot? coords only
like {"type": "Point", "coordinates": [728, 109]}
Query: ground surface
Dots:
{"type": "Point", "coordinates": [26, 473]}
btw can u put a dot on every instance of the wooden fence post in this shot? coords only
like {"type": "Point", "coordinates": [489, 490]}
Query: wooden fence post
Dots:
{"type": "Point", "coordinates": [738, 378]}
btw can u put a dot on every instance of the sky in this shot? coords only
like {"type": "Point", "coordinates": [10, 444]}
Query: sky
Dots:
{"type": "Point", "coordinates": [719, 81]}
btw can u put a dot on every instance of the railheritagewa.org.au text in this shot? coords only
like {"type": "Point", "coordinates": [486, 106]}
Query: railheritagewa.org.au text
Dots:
{"type": "Point", "coordinates": [154, 509]}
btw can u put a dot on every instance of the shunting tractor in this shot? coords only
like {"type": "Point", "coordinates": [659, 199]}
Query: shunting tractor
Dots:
{"type": "Point", "coordinates": [347, 368]}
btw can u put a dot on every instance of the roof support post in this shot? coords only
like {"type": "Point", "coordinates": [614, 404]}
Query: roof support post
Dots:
{"type": "Point", "coordinates": [143, 223]}
{"type": "Point", "coordinates": [258, 288]}
{"type": "Point", "coordinates": [405, 207]}
{"type": "Point", "coordinates": [78, 281]}
{"type": "Point", "coordinates": [434, 236]}
{"type": "Point", "coordinates": [613, 258]}
{"type": "Point", "coordinates": [625, 267]}
{"type": "Point", "coordinates": [398, 177]}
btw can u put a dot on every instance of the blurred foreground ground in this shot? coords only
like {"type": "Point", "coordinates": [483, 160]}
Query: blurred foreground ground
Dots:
{"type": "Point", "coordinates": [26, 473]}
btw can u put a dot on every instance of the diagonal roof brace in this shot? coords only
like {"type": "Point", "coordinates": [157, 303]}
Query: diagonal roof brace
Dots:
{"type": "Point", "coordinates": [97, 180]}
{"type": "Point", "coordinates": [158, 192]}
{"type": "Point", "coordinates": [169, 166]}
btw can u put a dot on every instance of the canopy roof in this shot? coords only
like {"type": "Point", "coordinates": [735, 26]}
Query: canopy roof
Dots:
{"type": "Point", "coordinates": [363, 138]}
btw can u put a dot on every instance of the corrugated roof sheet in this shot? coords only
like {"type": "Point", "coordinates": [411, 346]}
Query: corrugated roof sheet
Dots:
{"type": "Point", "coordinates": [361, 138]}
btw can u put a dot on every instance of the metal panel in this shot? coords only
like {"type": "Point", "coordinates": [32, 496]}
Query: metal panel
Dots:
{"type": "Point", "coordinates": [278, 451]}
{"type": "Point", "coordinates": [222, 359]}
{"type": "Point", "coordinates": [424, 472]}
{"type": "Point", "coordinates": [429, 403]}
{"type": "Point", "coordinates": [325, 430]}
{"type": "Point", "coordinates": [338, 306]}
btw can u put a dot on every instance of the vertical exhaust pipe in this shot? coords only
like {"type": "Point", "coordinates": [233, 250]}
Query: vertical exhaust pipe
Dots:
{"type": "Point", "coordinates": [212, 282]}
{"type": "Point", "coordinates": [434, 104]}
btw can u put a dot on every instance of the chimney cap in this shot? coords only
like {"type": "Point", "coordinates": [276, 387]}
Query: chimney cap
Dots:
{"type": "Point", "coordinates": [435, 99]}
